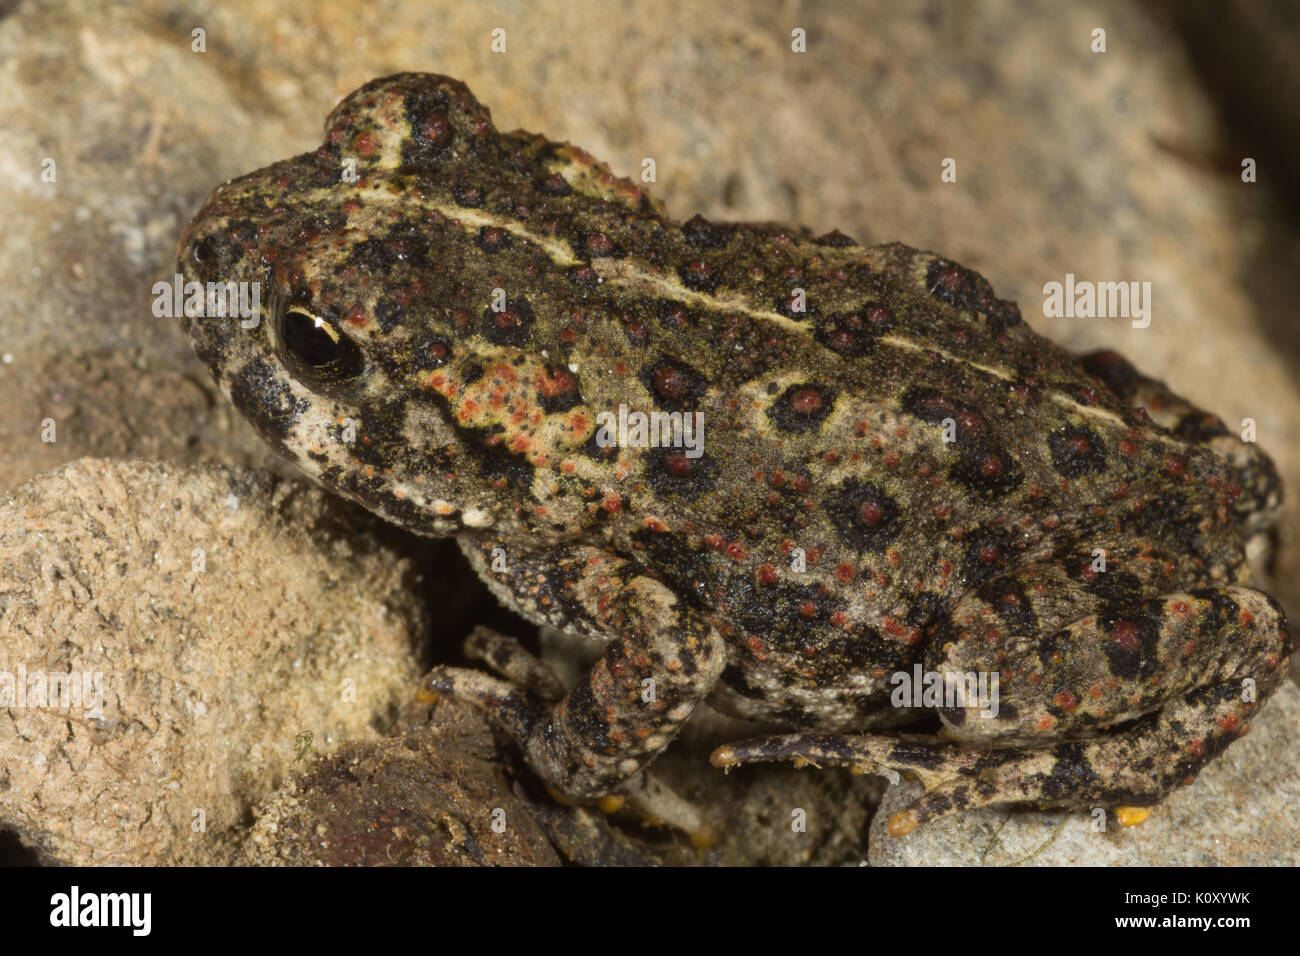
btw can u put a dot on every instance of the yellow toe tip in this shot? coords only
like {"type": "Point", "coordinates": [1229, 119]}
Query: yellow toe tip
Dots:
{"type": "Point", "coordinates": [702, 837]}
{"type": "Point", "coordinates": [1132, 816]}
{"type": "Point", "coordinates": [901, 824]}
{"type": "Point", "coordinates": [724, 756]}
{"type": "Point", "coordinates": [558, 797]}
{"type": "Point", "coordinates": [612, 803]}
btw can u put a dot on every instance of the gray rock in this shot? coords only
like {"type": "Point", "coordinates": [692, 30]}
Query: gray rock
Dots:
{"type": "Point", "coordinates": [1243, 810]}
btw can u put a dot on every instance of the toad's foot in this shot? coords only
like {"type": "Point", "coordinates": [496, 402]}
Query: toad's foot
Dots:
{"type": "Point", "coordinates": [955, 777]}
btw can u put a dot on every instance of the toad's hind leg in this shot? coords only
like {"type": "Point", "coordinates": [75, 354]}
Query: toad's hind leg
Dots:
{"type": "Point", "coordinates": [1261, 495]}
{"type": "Point", "coordinates": [1236, 640]}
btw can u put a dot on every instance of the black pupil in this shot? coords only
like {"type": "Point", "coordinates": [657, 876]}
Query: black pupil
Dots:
{"type": "Point", "coordinates": [309, 341]}
{"type": "Point", "coordinates": [317, 351]}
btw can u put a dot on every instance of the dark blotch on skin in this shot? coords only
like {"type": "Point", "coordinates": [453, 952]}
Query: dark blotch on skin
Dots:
{"type": "Point", "coordinates": [864, 515]}
{"type": "Point", "coordinates": [1200, 427]}
{"type": "Point", "coordinates": [1222, 614]}
{"type": "Point", "coordinates": [969, 291]}
{"type": "Point", "coordinates": [930, 611]}
{"type": "Point", "coordinates": [672, 473]}
{"type": "Point", "coordinates": [1012, 603]}
{"type": "Point", "coordinates": [1076, 450]}
{"type": "Point", "coordinates": [1003, 315]}
{"type": "Point", "coordinates": [558, 390]}
{"type": "Point", "coordinates": [1172, 518]}
{"type": "Point", "coordinates": [982, 467]}
{"type": "Point", "coordinates": [699, 276]}
{"type": "Point", "coordinates": [935, 407]}
{"type": "Point", "coordinates": [847, 333]}
{"type": "Point", "coordinates": [430, 352]}
{"type": "Point", "coordinates": [496, 462]}
{"type": "Point", "coordinates": [1071, 773]}
{"type": "Point", "coordinates": [958, 286]}
{"type": "Point", "coordinates": [1113, 370]}
{"type": "Point", "coordinates": [404, 245]}
{"type": "Point", "coordinates": [592, 448]}
{"type": "Point", "coordinates": [555, 185]}
{"type": "Point", "coordinates": [1056, 646]}
{"type": "Point", "coordinates": [264, 398]}
{"type": "Point", "coordinates": [1116, 589]}
{"type": "Point", "coordinates": [734, 679]}
{"type": "Point", "coordinates": [471, 197]}
{"type": "Point", "coordinates": [428, 112]}
{"type": "Point", "coordinates": [702, 234]}
{"type": "Point", "coordinates": [989, 552]}
{"type": "Point", "coordinates": [802, 407]}
{"type": "Point", "coordinates": [685, 567]}
{"type": "Point", "coordinates": [381, 434]}
{"type": "Point", "coordinates": [786, 305]}
{"type": "Point", "coordinates": [676, 385]}
{"type": "Point", "coordinates": [598, 245]}
{"type": "Point", "coordinates": [511, 326]}
{"type": "Point", "coordinates": [916, 755]}
{"type": "Point", "coordinates": [390, 314]}
{"type": "Point", "coordinates": [217, 254]}
{"type": "Point", "coordinates": [584, 707]}
{"type": "Point", "coordinates": [835, 239]}
{"type": "Point", "coordinates": [373, 490]}
{"type": "Point", "coordinates": [782, 612]}
{"type": "Point", "coordinates": [492, 239]}
{"type": "Point", "coordinates": [1129, 641]}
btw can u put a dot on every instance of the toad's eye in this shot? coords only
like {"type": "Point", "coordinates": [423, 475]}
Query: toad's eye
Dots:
{"type": "Point", "coordinates": [314, 348]}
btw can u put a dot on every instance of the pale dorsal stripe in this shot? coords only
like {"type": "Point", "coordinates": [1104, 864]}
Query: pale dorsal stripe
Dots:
{"type": "Point", "coordinates": [626, 273]}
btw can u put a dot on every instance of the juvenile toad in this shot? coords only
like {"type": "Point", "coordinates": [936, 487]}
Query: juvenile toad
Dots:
{"type": "Point", "coordinates": [891, 470]}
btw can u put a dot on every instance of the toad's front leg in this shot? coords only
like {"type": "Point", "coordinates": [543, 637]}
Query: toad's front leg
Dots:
{"type": "Point", "coordinates": [662, 659]}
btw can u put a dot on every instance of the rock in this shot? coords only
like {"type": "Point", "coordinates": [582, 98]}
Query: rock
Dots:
{"type": "Point", "coordinates": [1242, 810]}
{"type": "Point", "coordinates": [434, 795]}
{"type": "Point", "coordinates": [222, 617]}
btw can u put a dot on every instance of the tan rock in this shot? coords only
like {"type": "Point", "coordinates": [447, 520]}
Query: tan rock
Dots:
{"type": "Point", "coordinates": [224, 614]}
